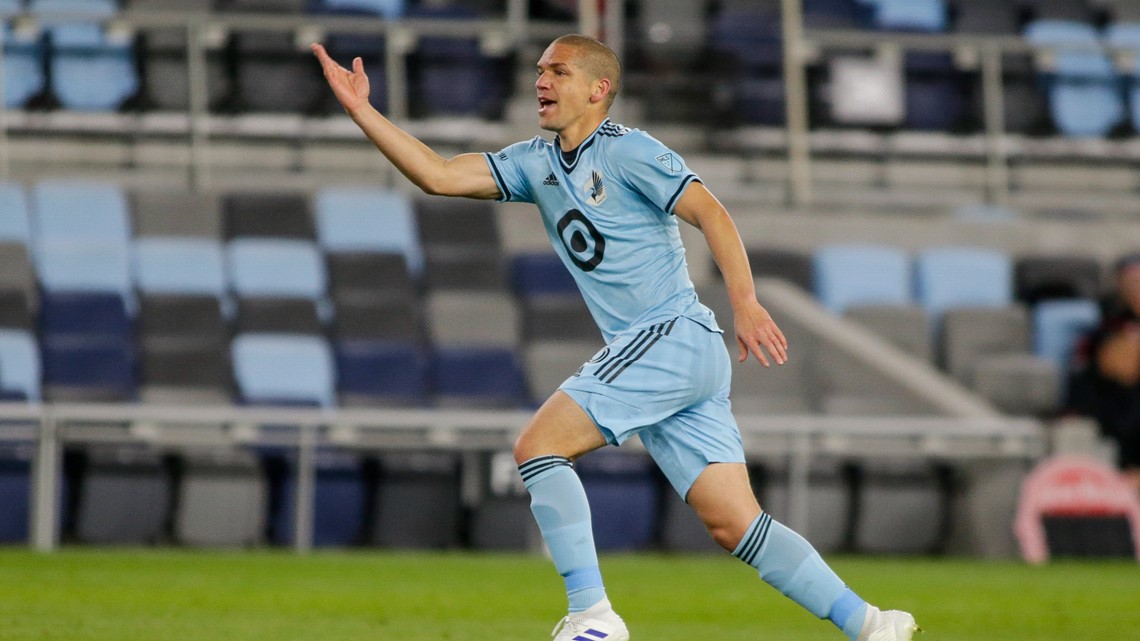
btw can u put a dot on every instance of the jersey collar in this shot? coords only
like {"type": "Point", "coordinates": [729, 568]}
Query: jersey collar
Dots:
{"type": "Point", "coordinates": [568, 166]}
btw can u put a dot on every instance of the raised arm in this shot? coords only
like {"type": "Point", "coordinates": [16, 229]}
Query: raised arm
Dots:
{"type": "Point", "coordinates": [464, 175]}
{"type": "Point", "coordinates": [754, 325]}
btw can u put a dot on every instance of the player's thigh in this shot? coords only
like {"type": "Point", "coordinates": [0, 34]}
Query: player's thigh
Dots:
{"type": "Point", "coordinates": [561, 428]}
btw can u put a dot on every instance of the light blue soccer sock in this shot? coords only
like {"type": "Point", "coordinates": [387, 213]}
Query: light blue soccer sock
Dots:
{"type": "Point", "coordinates": [787, 562]}
{"type": "Point", "coordinates": [559, 505]}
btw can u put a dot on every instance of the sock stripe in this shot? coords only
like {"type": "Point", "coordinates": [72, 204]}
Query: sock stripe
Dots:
{"type": "Point", "coordinates": [538, 465]}
{"type": "Point", "coordinates": [754, 539]}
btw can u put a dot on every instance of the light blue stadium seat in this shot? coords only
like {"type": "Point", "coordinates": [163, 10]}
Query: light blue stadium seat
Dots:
{"type": "Point", "coordinates": [1127, 36]}
{"type": "Point", "coordinates": [14, 225]}
{"type": "Point", "coordinates": [384, 8]}
{"type": "Point", "coordinates": [91, 69]}
{"type": "Point", "coordinates": [77, 210]}
{"type": "Point", "coordinates": [1084, 91]}
{"type": "Point", "coordinates": [23, 64]}
{"type": "Point", "coordinates": [284, 368]}
{"type": "Point", "coordinates": [365, 219]}
{"type": "Point", "coordinates": [1058, 324]}
{"type": "Point", "coordinates": [20, 369]}
{"type": "Point", "coordinates": [911, 15]}
{"type": "Point", "coordinates": [87, 267]}
{"type": "Point", "coordinates": [851, 275]}
{"type": "Point", "coordinates": [279, 268]}
{"type": "Point", "coordinates": [949, 277]}
{"type": "Point", "coordinates": [179, 265]}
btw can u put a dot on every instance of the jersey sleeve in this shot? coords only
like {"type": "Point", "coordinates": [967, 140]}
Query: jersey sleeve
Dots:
{"type": "Point", "coordinates": [657, 172]}
{"type": "Point", "coordinates": [508, 170]}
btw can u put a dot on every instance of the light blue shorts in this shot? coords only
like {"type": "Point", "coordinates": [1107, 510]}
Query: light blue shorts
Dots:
{"type": "Point", "coordinates": [667, 383]}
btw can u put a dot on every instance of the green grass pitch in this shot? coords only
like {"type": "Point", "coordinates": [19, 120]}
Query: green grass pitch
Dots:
{"type": "Point", "coordinates": [181, 595]}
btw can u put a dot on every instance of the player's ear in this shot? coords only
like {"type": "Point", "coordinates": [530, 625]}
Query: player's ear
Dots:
{"type": "Point", "coordinates": [601, 89]}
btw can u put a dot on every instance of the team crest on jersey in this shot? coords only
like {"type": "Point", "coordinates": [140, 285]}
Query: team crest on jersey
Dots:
{"type": "Point", "coordinates": [670, 162]}
{"type": "Point", "coordinates": [595, 189]}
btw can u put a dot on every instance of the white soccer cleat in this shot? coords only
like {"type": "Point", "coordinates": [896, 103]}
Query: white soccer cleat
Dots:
{"type": "Point", "coordinates": [892, 625]}
{"type": "Point", "coordinates": [598, 623]}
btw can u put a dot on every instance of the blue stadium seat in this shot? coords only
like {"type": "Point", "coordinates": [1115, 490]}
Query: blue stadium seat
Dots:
{"type": "Point", "coordinates": [15, 492]}
{"type": "Point", "coordinates": [1126, 36]}
{"type": "Point", "coordinates": [339, 500]}
{"type": "Point", "coordinates": [935, 91]}
{"type": "Point", "coordinates": [384, 8]}
{"type": "Point", "coordinates": [833, 14]}
{"type": "Point", "coordinates": [78, 210]}
{"type": "Point", "coordinates": [276, 268]}
{"type": "Point", "coordinates": [170, 265]}
{"type": "Point", "coordinates": [91, 69]}
{"type": "Point", "coordinates": [23, 69]}
{"type": "Point", "coordinates": [374, 372]}
{"type": "Point", "coordinates": [365, 219]}
{"type": "Point", "coordinates": [14, 224]}
{"type": "Point", "coordinates": [284, 368]}
{"type": "Point", "coordinates": [949, 277]}
{"type": "Point", "coordinates": [91, 267]}
{"type": "Point", "coordinates": [479, 377]}
{"type": "Point", "coordinates": [541, 274]}
{"type": "Point", "coordinates": [851, 275]}
{"type": "Point", "coordinates": [451, 75]}
{"type": "Point", "coordinates": [624, 494]}
{"type": "Point", "coordinates": [89, 369]}
{"type": "Point", "coordinates": [911, 15]}
{"type": "Point", "coordinates": [748, 47]}
{"type": "Point", "coordinates": [1084, 91]}
{"type": "Point", "coordinates": [1058, 324]}
{"type": "Point", "coordinates": [20, 370]}
{"type": "Point", "coordinates": [84, 314]}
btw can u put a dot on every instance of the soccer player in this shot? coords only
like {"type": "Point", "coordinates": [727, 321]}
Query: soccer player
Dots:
{"type": "Point", "coordinates": [610, 198]}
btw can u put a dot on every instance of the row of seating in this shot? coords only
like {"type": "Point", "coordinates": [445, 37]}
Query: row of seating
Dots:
{"type": "Point", "coordinates": [69, 59]}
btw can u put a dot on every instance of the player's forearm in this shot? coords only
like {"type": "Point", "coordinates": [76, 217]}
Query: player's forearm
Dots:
{"type": "Point", "coordinates": [418, 162]}
{"type": "Point", "coordinates": [728, 251]}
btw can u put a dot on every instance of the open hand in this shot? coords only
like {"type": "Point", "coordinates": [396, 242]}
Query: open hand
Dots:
{"type": "Point", "coordinates": [350, 87]}
{"type": "Point", "coordinates": [756, 333]}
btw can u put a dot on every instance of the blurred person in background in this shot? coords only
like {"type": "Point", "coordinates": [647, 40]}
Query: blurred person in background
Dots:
{"type": "Point", "coordinates": [1105, 379]}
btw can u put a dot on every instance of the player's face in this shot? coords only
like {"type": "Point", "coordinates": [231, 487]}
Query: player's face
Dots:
{"type": "Point", "coordinates": [563, 88]}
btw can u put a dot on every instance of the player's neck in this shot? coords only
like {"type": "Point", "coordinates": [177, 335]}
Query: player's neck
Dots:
{"type": "Point", "coordinates": [578, 131]}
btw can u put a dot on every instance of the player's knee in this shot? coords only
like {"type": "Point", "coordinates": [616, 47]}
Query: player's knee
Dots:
{"type": "Point", "coordinates": [725, 536]}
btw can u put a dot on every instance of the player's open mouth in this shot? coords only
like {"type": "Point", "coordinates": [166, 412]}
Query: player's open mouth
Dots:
{"type": "Point", "coordinates": [544, 103]}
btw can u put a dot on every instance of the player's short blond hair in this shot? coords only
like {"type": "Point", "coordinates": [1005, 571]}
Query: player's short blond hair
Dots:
{"type": "Point", "coordinates": [596, 59]}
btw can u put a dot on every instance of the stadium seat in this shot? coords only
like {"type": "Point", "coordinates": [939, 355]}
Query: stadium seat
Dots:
{"type": "Point", "coordinates": [851, 275]}
{"type": "Point", "coordinates": [1126, 37]}
{"type": "Point", "coordinates": [1122, 11]}
{"type": "Point", "coordinates": [165, 73]}
{"type": "Point", "coordinates": [15, 492]}
{"type": "Point", "coordinates": [834, 14]}
{"type": "Point", "coordinates": [339, 502]}
{"type": "Point", "coordinates": [176, 213]}
{"type": "Point", "coordinates": [23, 70]}
{"type": "Point", "coordinates": [267, 215]}
{"type": "Point", "coordinates": [175, 370]}
{"type": "Point", "coordinates": [1068, 10]}
{"type": "Point", "coordinates": [186, 266]}
{"type": "Point", "coordinates": [88, 370]}
{"type": "Point", "coordinates": [1058, 324]}
{"type": "Point", "coordinates": [15, 310]}
{"type": "Point", "coordinates": [368, 220]}
{"type": "Point", "coordinates": [550, 362]}
{"type": "Point", "coordinates": [472, 319]}
{"type": "Point", "coordinates": [970, 334]}
{"type": "Point", "coordinates": [407, 482]}
{"type": "Point", "coordinates": [77, 267]}
{"type": "Point", "coordinates": [1019, 384]}
{"type": "Point", "coordinates": [91, 69]}
{"type": "Point", "coordinates": [125, 497]}
{"type": "Point", "coordinates": [452, 76]}
{"type": "Point", "coordinates": [986, 17]}
{"type": "Point", "coordinates": [1046, 276]}
{"type": "Point", "coordinates": [465, 255]}
{"type": "Point", "coordinates": [276, 267]}
{"type": "Point", "coordinates": [222, 499]}
{"type": "Point", "coordinates": [383, 319]}
{"type": "Point", "coordinates": [14, 225]}
{"type": "Point", "coordinates": [905, 326]}
{"type": "Point", "coordinates": [186, 319]}
{"type": "Point", "coordinates": [477, 377]}
{"type": "Point", "coordinates": [80, 210]}
{"type": "Point", "coordinates": [541, 274]}
{"type": "Point", "coordinates": [271, 73]}
{"type": "Point", "coordinates": [934, 92]}
{"type": "Point", "coordinates": [671, 33]}
{"type": "Point", "coordinates": [829, 493]}
{"type": "Point", "coordinates": [17, 273]}
{"type": "Point", "coordinates": [949, 277]}
{"type": "Point", "coordinates": [369, 275]}
{"type": "Point", "coordinates": [747, 45]}
{"type": "Point", "coordinates": [787, 264]}
{"type": "Point", "coordinates": [900, 509]}
{"type": "Point", "coordinates": [381, 373]}
{"type": "Point", "coordinates": [563, 317]}
{"type": "Point", "coordinates": [270, 368]}
{"type": "Point", "coordinates": [911, 15]}
{"type": "Point", "coordinates": [624, 491]}
{"type": "Point", "coordinates": [370, 47]}
{"type": "Point", "coordinates": [1084, 92]}
{"type": "Point", "coordinates": [20, 369]}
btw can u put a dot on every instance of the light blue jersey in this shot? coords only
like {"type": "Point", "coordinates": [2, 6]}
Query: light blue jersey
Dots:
{"type": "Point", "coordinates": [609, 212]}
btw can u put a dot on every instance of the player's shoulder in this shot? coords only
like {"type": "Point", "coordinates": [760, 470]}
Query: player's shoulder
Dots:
{"type": "Point", "coordinates": [629, 142]}
{"type": "Point", "coordinates": [523, 148]}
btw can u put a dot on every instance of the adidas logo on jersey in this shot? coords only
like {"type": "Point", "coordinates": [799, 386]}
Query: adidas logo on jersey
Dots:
{"type": "Point", "coordinates": [551, 181]}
